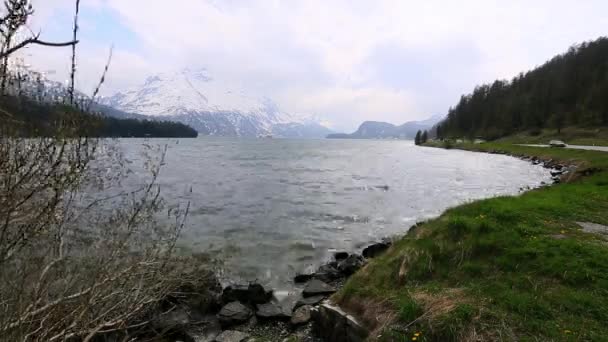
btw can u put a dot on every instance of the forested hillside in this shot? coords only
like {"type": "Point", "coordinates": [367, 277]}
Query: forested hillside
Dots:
{"type": "Point", "coordinates": [569, 90]}
{"type": "Point", "coordinates": [28, 117]}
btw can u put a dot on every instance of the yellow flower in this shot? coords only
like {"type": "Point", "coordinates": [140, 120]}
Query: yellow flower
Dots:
{"type": "Point", "coordinates": [417, 334]}
{"type": "Point", "coordinates": [414, 338]}
{"type": "Point", "coordinates": [563, 231]}
{"type": "Point", "coordinates": [567, 331]}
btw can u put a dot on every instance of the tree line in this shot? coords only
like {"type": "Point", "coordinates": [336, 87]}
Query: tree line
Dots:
{"type": "Point", "coordinates": [571, 89]}
{"type": "Point", "coordinates": [32, 118]}
{"type": "Point", "coordinates": [421, 137]}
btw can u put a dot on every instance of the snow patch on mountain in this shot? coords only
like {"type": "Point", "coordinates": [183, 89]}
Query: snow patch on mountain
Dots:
{"type": "Point", "coordinates": [212, 107]}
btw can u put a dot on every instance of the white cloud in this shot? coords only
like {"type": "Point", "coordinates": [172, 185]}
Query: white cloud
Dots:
{"type": "Point", "coordinates": [331, 58]}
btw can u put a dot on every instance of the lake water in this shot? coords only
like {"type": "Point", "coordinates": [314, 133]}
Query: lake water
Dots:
{"type": "Point", "coordinates": [271, 208]}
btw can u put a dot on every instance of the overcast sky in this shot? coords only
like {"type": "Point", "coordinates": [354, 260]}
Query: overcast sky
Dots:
{"type": "Point", "coordinates": [346, 61]}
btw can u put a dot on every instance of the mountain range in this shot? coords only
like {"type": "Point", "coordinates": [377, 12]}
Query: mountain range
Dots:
{"type": "Point", "coordinates": [193, 97]}
{"type": "Point", "coordinates": [385, 130]}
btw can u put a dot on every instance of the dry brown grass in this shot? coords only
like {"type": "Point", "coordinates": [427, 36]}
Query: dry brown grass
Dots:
{"type": "Point", "coordinates": [438, 304]}
{"type": "Point", "coordinates": [374, 315]}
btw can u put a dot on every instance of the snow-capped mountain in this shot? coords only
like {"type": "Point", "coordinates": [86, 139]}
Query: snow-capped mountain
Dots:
{"type": "Point", "coordinates": [211, 107]}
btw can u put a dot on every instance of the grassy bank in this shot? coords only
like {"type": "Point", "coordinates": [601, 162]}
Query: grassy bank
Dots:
{"type": "Point", "coordinates": [507, 268]}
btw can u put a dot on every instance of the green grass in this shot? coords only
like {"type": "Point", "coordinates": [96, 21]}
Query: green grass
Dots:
{"type": "Point", "coordinates": [507, 268]}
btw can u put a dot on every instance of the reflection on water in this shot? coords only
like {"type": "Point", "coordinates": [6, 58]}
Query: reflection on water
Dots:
{"type": "Point", "coordinates": [276, 207]}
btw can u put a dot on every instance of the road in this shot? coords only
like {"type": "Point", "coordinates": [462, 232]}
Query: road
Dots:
{"type": "Point", "coordinates": [574, 147]}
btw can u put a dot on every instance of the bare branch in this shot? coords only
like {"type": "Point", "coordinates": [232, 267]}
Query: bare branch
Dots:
{"type": "Point", "coordinates": [73, 70]}
{"type": "Point", "coordinates": [36, 41]}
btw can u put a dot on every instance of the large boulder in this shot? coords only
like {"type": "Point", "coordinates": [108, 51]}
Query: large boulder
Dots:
{"type": "Point", "coordinates": [328, 273]}
{"type": "Point", "coordinates": [340, 255]}
{"type": "Point", "coordinates": [314, 300]}
{"type": "Point", "coordinates": [303, 277]}
{"type": "Point", "coordinates": [232, 336]}
{"type": "Point", "coordinates": [333, 324]}
{"type": "Point", "coordinates": [376, 249]}
{"type": "Point", "coordinates": [351, 264]}
{"type": "Point", "coordinates": [234, 313]}
{"type": "Point", "coordinates": [271, 311]}
{"type": "Point", "coordinates": [317, 288]}
{"type": "Point", "coordinates": [253, 293]}
{"type": "Point", "coordinates": [301, 315]}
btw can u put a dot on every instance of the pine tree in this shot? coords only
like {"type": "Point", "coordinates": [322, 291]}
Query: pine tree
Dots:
{"type": "Point", "coordinates": [417, 140]}
{"type": "Point", "coordinates": [439, 132]}
{"type": "Point", "coordinates": [568, 90]}
{"type": "Point", "coordinates": [424, 137]}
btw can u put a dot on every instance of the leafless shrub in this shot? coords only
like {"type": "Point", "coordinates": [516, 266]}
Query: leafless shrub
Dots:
{"type": "Point", "coordinates": [76, 259]}
{"type": "Point", "coordinates": [79, 255]}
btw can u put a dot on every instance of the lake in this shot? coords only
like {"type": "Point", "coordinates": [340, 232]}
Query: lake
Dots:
{"type": "Point", "coordinates": [271, 208]}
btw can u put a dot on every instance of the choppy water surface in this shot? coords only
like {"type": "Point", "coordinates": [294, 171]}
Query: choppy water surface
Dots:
{"type": "Point", "coordinates": [272, 208]}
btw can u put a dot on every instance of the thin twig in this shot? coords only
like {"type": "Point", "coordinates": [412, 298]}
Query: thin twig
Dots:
{"type": "Point", "coordinates": [102, 79]}
{"type": "Point", "coordinates": [73, 70]}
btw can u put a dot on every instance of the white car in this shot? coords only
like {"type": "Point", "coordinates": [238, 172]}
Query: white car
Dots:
{"type": "Point", "coordinates": [557, 143]}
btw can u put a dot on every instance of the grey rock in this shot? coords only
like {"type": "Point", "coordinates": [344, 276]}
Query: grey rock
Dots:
{"type": "Point", "coordinates": [302, 278]}
{"type": "Point", "coordinates": [333, 324]}
{"type": "Point", "coordinates": [234, 313]}
{"type": "Point", "coordinates": [232, 336]}
{"type": "Point", "coordinates": [351, 264]}
{"type": "Point", "coordinates": [328, 273]}
{"type": "Point", "coordinates": [301, 315]}
{"type": "Point", "coordinates": [314, 300]}
{"type": "Point", "coordinates": [375, 249]}
{"type": "Point", "coordinates": [316, 287]}
{"type": "Point", "coordinates": [340, 255]}
{"type": "Point", "coordinates": [253, 293]}
{"type": "Point", "coordinates": [271, 311]}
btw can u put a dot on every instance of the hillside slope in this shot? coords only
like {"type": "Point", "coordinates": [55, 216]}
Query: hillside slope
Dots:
{"type": "Point", "coordinates": [569, 90]}
{"type": "Point", "coordinates": [385, 130]}
{"type": "Point", "coordinates": [26, 117]}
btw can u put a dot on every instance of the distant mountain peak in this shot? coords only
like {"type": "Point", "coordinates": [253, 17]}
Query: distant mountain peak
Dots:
{"type": "Point", "coordinates": [194, 97]}
{"type": "Point", "coordinates": [385, 130]}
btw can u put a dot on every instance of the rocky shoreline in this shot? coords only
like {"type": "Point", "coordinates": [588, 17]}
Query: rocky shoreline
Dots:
{"type": "Point", "coordinates": [203, 311]}
{"type": "Point", "coordinates": [560, 171]}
